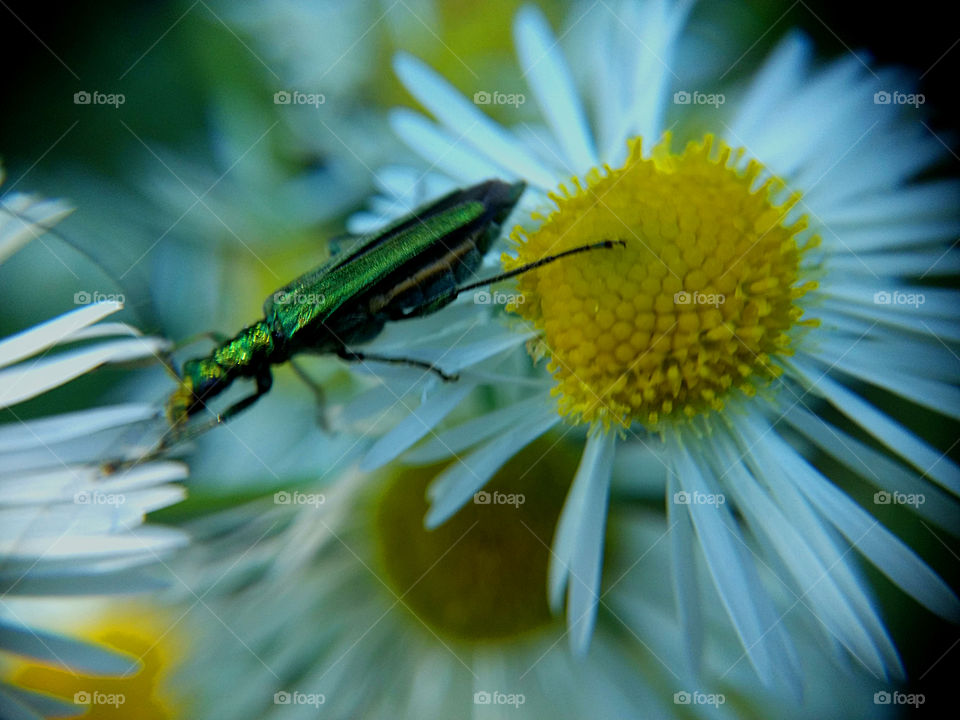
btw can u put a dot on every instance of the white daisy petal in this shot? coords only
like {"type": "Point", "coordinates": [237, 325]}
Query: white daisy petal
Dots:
{"type": "Point", "coordinates": [474, 431]}
{"type": "Point", "coordinates": [887, 552]}
{"type": "Point", "coordinates": [651, 31]}
{"type": "Point", "coordinates": [100, 330]}
{"type": "Point", "coordinates": [582, 522]}
{"type": "Point", "coordinates": [390, 208]}
{"type": "Point", "coordinates": [814, 583]}
{"type": "Point", "coordinates": [453, 158]}
{"type": "Point", "coordinates": [38, 377]}
{"type": "Point", "coordinates": [46, 431]}
{"type": "Point", "coordinates": [17, 704]}
{"type": "Point", "coordinates": [462, 117]}
{"type": "Point", "coordinates": [899, 264]}
{"type": "Point", "coordinates": [684, 573]}
{"type": "Point", "coordinates": [899, 354]}
{"type": "Point", "coordinates": [412, 185]}
{"type": "Point", "coordinates": [96, 534]}
{"type": "Point", "coordinates": [937, 506]}
{"type": "Point", "coordinates": [826, 544]}
{"type": "Point", "coordinates": [948, 330]}
{"type": "Point", "coordinates": [862, 173]}
{"type": "Point", "coordinates": [924, 201]}
{"type": "Point", "coordinates": [457, 484]}
{"type": "Point", "coordinates": [875, 370]}
{"type": "Point", "coordinates": [374, 402]}
{"type": "Point", "coordinates": [404, 188]}
{"type": "Point", "coordinates": [361, 223]}
{"type": "Point", "coordinates": [122, 564]}
{"type": "Point", "coordinates": [81, 582]}
{"type": "Point", "coordinates": [64, 652]}
{"type": "Point", "coordinates": [781, 73]}
{"type": "Point", "coordinates": [561, 555]}
{"type": "Point", "coordinates": [744, 598]}
{"type": "Point", "coordinates": [900, 235]}
{"type": "Point", "coordinates": [809, 115]}
{"type": "Point", "coordinates": [542, 143]}
{"type": "Point", "coordinates": [609, 41]}
{"type": "Point", "coordinates": [549, 79]}
{"type": "Point", "coordinates": [416, 425]}
{"type": "Point", "coordinates": [46, 335]}
{"type": "Point", "coordinates": [64, 484]}
{"type": "Point", "coordinates": [472, 348]}
{"type": "Point", "coordinates": [926, 459]}
{"type": "Point", "coordinates": [932, 302]}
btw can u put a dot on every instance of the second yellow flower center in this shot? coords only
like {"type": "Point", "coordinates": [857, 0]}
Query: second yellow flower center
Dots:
{"type": "Point", "coordinates": [696, 303]}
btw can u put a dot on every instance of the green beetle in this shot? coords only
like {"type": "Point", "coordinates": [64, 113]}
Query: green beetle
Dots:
{"type": "Point", "coordinates": [412, 268]}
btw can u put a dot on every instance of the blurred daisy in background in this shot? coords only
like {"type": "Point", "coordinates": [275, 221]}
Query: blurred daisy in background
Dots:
{"type": "Point", "coordinates": [772, 264]}
{"type": "Point", "coordinates": [70, 525]}
{"type": "Point", "coordinates": [341, 602]}
{"type": "Point", "coordinates": [133, 628]}
{"type": "Point", "coordinates": [765, 270]}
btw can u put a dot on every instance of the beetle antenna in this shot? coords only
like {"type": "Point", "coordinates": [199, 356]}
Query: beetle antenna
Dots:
{"type": "Point", "coordinates": [602, 245]}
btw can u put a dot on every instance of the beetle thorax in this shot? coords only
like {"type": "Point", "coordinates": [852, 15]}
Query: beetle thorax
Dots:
{"type": "Point", "coordinates": [205, 378]}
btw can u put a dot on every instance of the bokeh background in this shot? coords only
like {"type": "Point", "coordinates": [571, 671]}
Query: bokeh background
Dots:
{"type": "Point", "coordinates": [216, 194]}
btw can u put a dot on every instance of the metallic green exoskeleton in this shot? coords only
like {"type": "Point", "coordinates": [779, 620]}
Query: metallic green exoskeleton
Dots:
{"type": "Point", "coordinates": [413, 267]}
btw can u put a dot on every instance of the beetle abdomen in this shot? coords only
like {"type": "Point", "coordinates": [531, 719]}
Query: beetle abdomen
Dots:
{"type": "Point", "coordinates": [433, 279]}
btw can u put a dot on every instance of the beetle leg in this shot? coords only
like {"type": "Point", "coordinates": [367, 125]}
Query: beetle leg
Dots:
{"type": "Point", "coordinates": [264, 382]}
{"type": "Point", "coordinates": [317, 391]}
{"type": "Point", "coordinates": [412, 362]}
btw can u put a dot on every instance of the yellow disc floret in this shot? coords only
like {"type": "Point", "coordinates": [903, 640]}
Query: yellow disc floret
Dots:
{"type": "Point", "coordinates": [148, 635]}
{"type": "Point", "coordinates": [695, 304]}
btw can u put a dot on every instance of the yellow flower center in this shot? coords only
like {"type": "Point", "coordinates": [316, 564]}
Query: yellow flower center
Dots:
{"type": "Point", "coordinates": [146, 633]}
{"type": "Point", "coordinates": [696, 303]}
{"type": "Point", "coordinates": [480, 576]}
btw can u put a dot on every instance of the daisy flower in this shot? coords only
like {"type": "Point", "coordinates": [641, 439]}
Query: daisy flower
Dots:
{"type": "Point", "coordinates": [133, 627]}
{"type": "Point", "coordinates": [69, 524]}
{"type": "Point", "coordinates": [342, 603]}
{"type": "Point", "coordinates": [770, 271]}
